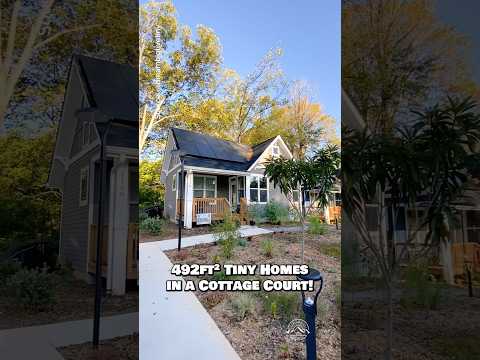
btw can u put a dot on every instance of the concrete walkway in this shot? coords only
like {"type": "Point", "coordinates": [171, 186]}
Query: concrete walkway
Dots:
{"type": "Point", "coordinates": [245, 231]}
{"type": "Point", "coordinates": [42, 340]}
{"type": "Point", "coordinates": [174, 325]}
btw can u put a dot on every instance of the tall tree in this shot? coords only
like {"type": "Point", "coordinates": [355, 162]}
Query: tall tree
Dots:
{"type": "Point", "coordinates": [396, 55]}
{"type": "Point", "coordinates": [251, 99]}
{"type": "Point", "coordinates": [301, 123]}
{"type": "Point", "coordinates": [173, 66]}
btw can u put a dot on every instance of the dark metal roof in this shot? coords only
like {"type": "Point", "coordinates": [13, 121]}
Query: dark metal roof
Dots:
{"type": "Point", "coordinates": [211, 152]}
{"type": "Point", "coordinates": [112, 88]}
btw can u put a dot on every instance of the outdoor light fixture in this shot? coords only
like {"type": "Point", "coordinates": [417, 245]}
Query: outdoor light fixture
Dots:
{"type": "Point", "coordinates": [181, 197]}
{"type": "Point", "coordinates": [310, 311]}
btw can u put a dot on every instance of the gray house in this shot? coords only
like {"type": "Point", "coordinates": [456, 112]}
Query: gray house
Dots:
{"type": "Point", "coordinates": [98, 88]}
{"type": "Point", "coordinates": [220, 176]}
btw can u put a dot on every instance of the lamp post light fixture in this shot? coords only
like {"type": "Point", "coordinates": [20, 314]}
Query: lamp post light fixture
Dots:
{"type": "Point", "coordinates": [181, 197]}
{"type": "Point", "coordinates": [309, 305]}
{"type": "Point", "coordinates": [102, 125]}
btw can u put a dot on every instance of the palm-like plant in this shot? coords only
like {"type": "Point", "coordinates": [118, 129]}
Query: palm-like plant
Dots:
{"type": "Point", "coordinates": [317, 173]}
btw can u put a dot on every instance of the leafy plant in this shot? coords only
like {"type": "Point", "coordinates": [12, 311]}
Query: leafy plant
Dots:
{"type": "Point", "coordinates": [421, 290]}
{"type": "Point", "coordinates": [152, 225]}
{"type": "Point", "coordinates": [32, 289]}
{"type": "Point", "coordinates": [242, 305]}
{"type": "Point", "coordinates": [8, 268]}
{"type": "Point", "coordinates": [316, 226]}
{"type": "Point", "coordinates": [282, 305]}
{"type": "Point", "coordinates": [332, 250]}
{"type": "Point", "coordinates": [242, 242]}
{"type": "Point", "coordinates": [267, 247]}
{"type": "Point", "coordinates": [256, 212]}
{"type": "Point", "coordinates": [226, 234]}
{"type": "Point", "coordinates": [276, 213]}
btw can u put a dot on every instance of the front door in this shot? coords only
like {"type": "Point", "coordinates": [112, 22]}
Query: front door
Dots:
{"type": "Point", "coordinates": [233, 192]}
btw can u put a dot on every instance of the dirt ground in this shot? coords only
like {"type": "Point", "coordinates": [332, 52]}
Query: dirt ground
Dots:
{"type": "Point", "coordinates": [121, 348]}
{"type": "Point", "coordinates": [449, 331]}
{"type": "Point", "coordinates": [74, 301]}
{"type": "Point", "coordinates": [259, 335]}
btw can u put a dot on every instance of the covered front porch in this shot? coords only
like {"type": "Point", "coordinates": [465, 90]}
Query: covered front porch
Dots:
{"type": "Point", "coordinates": [210, 195]}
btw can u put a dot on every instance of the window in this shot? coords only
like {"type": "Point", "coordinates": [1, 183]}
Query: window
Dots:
{"type": "Point", "coordinates": [86, 133]}
{"type": "Point", "coordinates": [241, 187]}
{"type": "Point", "coordinates": [295, 196]}
{"type": "Point", "coordinates": [84, 186]}
{"type": "Point", "coordinates": [275, 151]}
{"type": "Point", "coordinates": [174, 182]}
{"type": "Point", "coordinates": [259, 189]}
{"type": "Point", "coordinates": [204, 186]}
{"type": "Point", "coordinates": [338, 199]}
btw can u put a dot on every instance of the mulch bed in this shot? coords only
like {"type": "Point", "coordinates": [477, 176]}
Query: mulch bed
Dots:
{"type": "Point", "coordinates": [170, 231]}
{"type": "Point", "coordinates": [260, 336]}
{"type": "Point", "coordinates": [74, 301]}
{"type": "Point", "coordinates": [121, 348]}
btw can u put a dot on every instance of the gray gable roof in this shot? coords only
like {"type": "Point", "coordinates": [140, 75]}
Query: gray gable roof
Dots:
{"type": "Point", "coordinates": [210, 152]}
{"type": "Point", "coordinates": [111, 87]}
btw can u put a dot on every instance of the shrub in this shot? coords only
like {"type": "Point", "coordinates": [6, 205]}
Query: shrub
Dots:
{"type": "Point", "coordinates": [242, 242]}
{"type": "Point", "coordinates": [276, 213]}
{"type": "Point", "coordinates": [332, 250]}
{"type": "Point", "coordinates": [267, 247]}
{"type": "Point", "coordinates": [316, 226]}
{"type": "Point", "coordinates": [256, 212]}
{"type": "Point", "coordinates": [282, 305]}
{"type": "Point", "coordinates": [242, 305]}
{"type": "Point", "coordinates": [32, 289]}
{"type": "Point", "coordinates": [8, 268]}
{"type": "Point", "coordinates": [152, 225]}
{"type": "Point", "coordinates": [226, 235]}
{"type": "Point", "coordinates": [421, 290]}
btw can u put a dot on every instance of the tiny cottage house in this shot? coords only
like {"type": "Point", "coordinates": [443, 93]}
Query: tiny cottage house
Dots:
{"type": "Point", "coordinates": [108, 90]}
{"type": "Point", "coordinates": [219, 176]}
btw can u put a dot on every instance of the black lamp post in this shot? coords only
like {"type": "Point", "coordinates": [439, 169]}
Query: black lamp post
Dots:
{"type": "Point", "coordinates": [102, 126]}
{"type": "Point", "coordinates": [310, 312]}
{"type": "Point", "coordinates": [181, 190]}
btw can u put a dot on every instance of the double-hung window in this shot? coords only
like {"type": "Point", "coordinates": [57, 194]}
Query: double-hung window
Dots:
{"type": "Point", "coordinates": [204, 186]}
{"type": "Point", "coordinates": [258, 189]}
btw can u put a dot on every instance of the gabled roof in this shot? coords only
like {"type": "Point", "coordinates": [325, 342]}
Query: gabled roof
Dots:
{"type": "Point", "coordinates": [111, 88]}
{"type": "Point", "coordinates": [210, 152]}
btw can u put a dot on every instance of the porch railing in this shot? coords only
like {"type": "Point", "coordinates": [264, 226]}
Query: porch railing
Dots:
{"type": "Point", "coordinates": [132, 250]}
{"type": "Point", "coordinates": [215, 206]}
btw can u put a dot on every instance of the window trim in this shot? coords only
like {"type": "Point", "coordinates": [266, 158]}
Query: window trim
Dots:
{"type": "Point", "coordinates": [259, 188]}
{"type": "Point", "coordinates": [83, 172]}
{"type": "Point", "coordinates": [204, 185]}
{"type": "Point", "coordinates": [175, 181]}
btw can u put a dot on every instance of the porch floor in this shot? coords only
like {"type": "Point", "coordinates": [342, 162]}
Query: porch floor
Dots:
{"type": "Point", "coordinates": [245, 231]}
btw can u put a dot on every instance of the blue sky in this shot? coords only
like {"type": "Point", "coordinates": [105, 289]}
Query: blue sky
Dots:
{"type": "Point", "coordinates": [308, 31]}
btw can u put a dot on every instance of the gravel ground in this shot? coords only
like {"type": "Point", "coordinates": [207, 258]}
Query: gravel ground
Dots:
{"type": "Point", "coordinates": [259, 335]}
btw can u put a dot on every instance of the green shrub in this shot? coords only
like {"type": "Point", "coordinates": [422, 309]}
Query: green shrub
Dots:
{"type": "Point", "coordinates": [243, 305]}
{"type": "Point", "coordinates": [152, 225]}
{"type": "Point", "coordinates": [316, 226]}
{"type": "Point", "coordinates": [276, 213]}
{"type": "Point", "coordinates": [32, 289]}
{"type": "Point", "coordinates": [282, 305]}
{"type": "Point", "coordinates": [8, 268]}
{"type": "Point", "coordinates": [256, 212]}
{"type": "Point", "coordinates": [421, 290]}
{"type": "Point", "coordinates": [333, 250]}
{"type": "Point", "coordinates": [226, 234]}
{"type": "Point", "coordinates": [267, 247]}
{"type": "Point", "coordinates": [242, 242]}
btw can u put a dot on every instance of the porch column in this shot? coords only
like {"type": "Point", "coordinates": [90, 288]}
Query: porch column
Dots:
{"type": "Point", "coordinates": [247, 189]}
{"type": "Point", "coordinates": [327, 214]}
{"type": "Point", "coordinates": [119, 219]}
{"type": "Point", "coordinates": [188, 199]}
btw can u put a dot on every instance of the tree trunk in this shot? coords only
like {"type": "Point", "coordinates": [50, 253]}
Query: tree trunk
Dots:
{"type": "Point", "coordinates": [389, 323]}
{"type": "Point", "coordinates": [446, 256]}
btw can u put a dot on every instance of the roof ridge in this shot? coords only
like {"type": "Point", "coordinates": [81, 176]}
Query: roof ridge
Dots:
{"type": "Point", "coordinates": [264, 141]}
{"type": "Point", "coordinates": [211, 136]}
